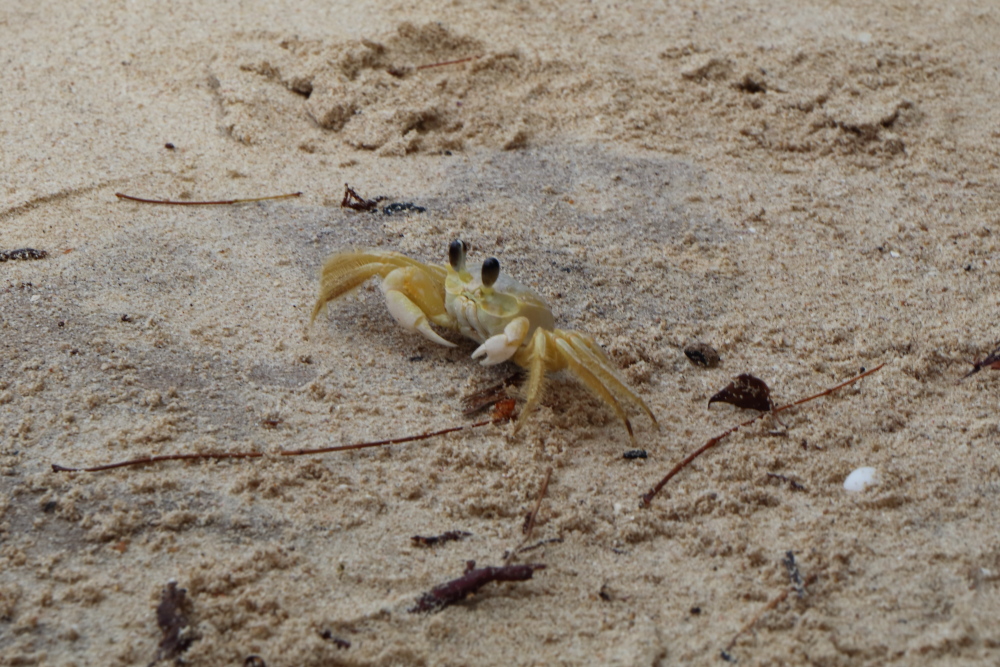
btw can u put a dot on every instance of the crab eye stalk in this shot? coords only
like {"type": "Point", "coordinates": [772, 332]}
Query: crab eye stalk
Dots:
{"type": "Point", "coordinates": [456, 254]}
{"type": "Point", "coordinates": [491, 271]}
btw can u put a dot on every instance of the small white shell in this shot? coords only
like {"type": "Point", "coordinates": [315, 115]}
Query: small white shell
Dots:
{"type": "Point", "coordinates": [860, 479]}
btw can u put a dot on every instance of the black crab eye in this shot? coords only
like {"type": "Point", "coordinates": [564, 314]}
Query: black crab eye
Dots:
{"type": "Point", "coordinates": [491, 271]}
{"type": "Point", "coordinates": [456, 254]}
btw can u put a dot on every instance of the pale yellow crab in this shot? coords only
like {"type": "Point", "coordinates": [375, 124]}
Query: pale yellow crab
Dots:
{"type": "Point", "coordinates": [508, 319]}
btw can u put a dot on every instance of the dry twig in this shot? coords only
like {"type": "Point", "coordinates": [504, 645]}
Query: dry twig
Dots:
{"type": "Point", "coordinates": [529, 521]}
{"type": "Point", "coordinates": [221, 202]}
{"type": "Point", "coordinates": [457, 590]}
{"type": "Point", "coordinates": [503, 411]}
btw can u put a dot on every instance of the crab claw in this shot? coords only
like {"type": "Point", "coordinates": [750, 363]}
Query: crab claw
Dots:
{"type": "Point", "coordinates": [502, 347]}
{"type": "Point", "coordinates": [411, 318]}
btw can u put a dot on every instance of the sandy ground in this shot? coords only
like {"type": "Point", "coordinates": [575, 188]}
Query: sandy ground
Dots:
{"type": "Point", "coordinates": [812, 189]}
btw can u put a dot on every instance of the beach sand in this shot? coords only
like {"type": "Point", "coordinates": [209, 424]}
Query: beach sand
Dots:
{"type": "Point", "coordinates": [812, 190]}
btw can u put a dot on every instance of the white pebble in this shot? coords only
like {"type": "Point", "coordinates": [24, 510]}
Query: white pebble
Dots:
{"type": "Point", "coordinates": [860, 479]}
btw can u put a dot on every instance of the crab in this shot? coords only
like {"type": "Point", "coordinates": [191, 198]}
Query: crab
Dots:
{"type": "Point", "coordinates": [509, 320]}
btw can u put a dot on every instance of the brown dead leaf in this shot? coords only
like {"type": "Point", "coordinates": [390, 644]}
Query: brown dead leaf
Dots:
{"type": "Point", "coordinates": [172, 618]}
{"type": "Point", "coordinates": [747, 392]}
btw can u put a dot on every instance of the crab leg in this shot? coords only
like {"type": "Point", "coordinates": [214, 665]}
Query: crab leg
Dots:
{"type": "Point", "coordinates": [534, 358]}
{"type": "Point", "coordinates": [591, 356]}
{"type": "Point", "coordinates": [594, 383]}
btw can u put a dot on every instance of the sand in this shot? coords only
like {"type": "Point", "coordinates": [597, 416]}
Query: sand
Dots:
{"type": "Point", "coordinates": [809, 189]}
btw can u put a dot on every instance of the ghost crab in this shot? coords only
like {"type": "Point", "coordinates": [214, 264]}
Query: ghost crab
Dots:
{"type": "Point", "coordinates": [509, 320]}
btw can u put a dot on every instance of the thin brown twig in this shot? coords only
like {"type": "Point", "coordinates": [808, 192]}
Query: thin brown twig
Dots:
{"type": "Point", "coordinates": [778, 599]}
{"type": "Point", "coordinates": [829, 391]}
{"type": "Point", "coordinates": [539, 544]}
{"type": "Point", "coordinates": [448, 62]}
{"type": "Point", "coordinates": [529, 522]}
{"type": "Point", "coordinates": [146, 460]}
{"type": "Point", "coordinates": [648, 497]}
{"type": "Point", "coordinates": [223, 202]}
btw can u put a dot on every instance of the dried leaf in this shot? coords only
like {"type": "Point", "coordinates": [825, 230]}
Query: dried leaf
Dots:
{"type": "Point", "coordinates": [173, 622]}
{"type": "Point", "coordinates": [747, 392]}
{"type": "Point", "coordinates": [503, 410]}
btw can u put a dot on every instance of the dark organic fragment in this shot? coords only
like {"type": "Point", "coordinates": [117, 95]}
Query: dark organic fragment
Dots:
{"type": "Point", "coordinates": [751, 83]}
{"type": "Point", "coordinates": [356, 202]}
{"type": "Point", "coordinates": [254, 661]}
{"type": "Point", "coordinates": [402, 207]}
{"type": "Point", "coordinates": [450, 536]}
{"type": "Point", "coordinates": [22, 253]}
{"type": "Point", "coordinates": [793, 573]}
{"type": "Point", "coordinates": [747, 392]}
{"type": "Point", "coordinates": [701, 354]}
{"type": "Point", "coordinates": [457, 590]}
{"type": "Point", "coordinates": [171, 617]}
{"type": "Point", "coordinates": [634, 454]}
{"type": "Point", "coordinates": [337, 641]}
{"type": "Point", "coordinates": [992, 361]}
{"type": "Point", "coordinates": [795, 486]}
